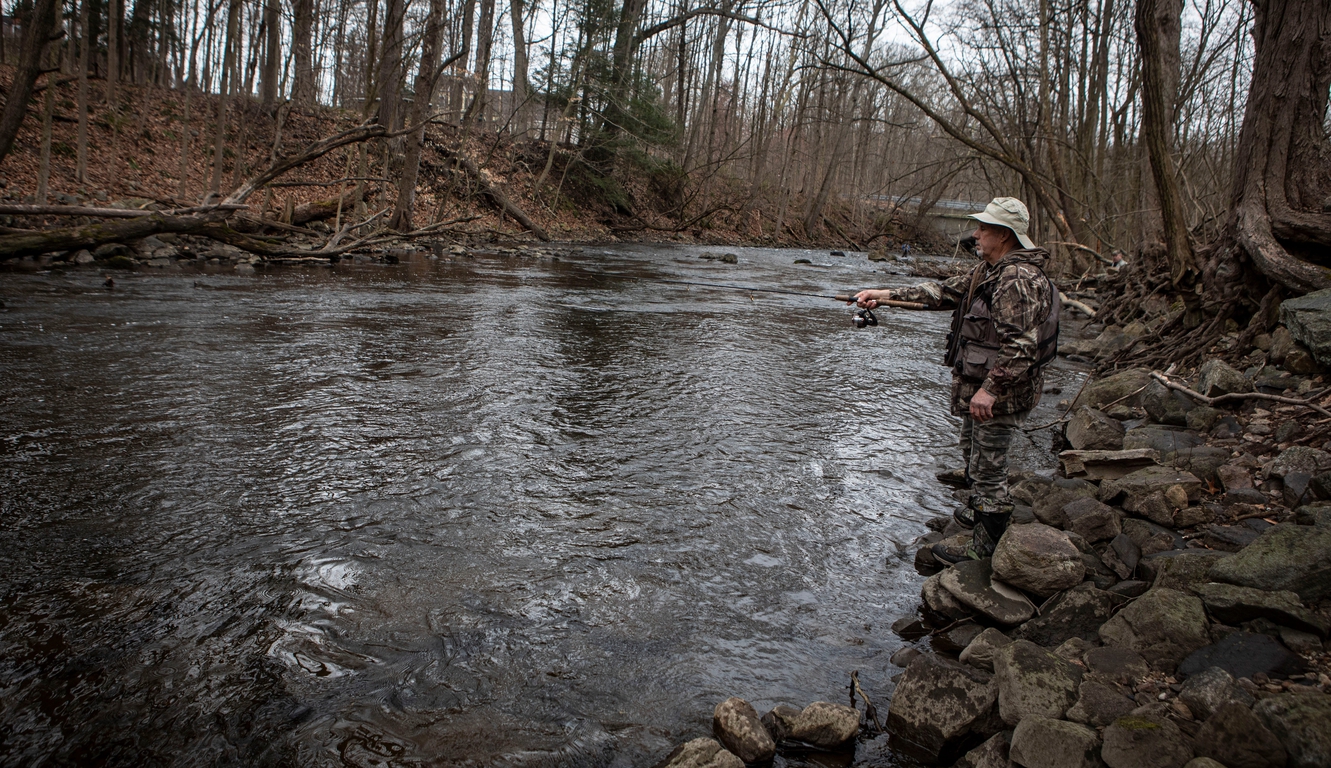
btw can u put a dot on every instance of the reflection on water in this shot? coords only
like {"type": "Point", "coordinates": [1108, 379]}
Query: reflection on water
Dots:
{"type": "Point", "coordinates": [484, 512]}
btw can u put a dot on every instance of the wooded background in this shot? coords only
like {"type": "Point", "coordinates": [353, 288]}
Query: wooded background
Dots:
{"type": "Point", "coordinates": [1191, 136]}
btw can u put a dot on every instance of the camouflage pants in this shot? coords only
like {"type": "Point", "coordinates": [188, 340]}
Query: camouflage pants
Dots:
{"type": "Point", "coordinates": [984, 448]}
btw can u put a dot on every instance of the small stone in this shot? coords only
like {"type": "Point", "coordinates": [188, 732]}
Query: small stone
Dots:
{"type": "Point", "coordinates": [1211, 688]}
{"type": "Point", "coordinates": [903, 657]}
{"type": "Point", "coordinates": [1099, 704]}
{"type": "Point", "coordinates": [1285, 557]}
{"type": "Point", "coordinates": [980, 652]}
{"type": "Point", "coordinates": [83, 257]}
{"type": "Point", "coordinates": [1216, 378]}
{"type": "Point", "coordinates": [1117, 665]}
{"type": "Point", "coordinates": [1233, 477]}
{"type": "Point", "coordinates": [1203, 418]}
{"type": "Point", "coordinates": [1092, 430]}
{"type": "Point", "coordinates": [941, 602]}
{"type": "Point", "coordinates": [778, 719]}
{"type": "Point", "coordinates": [1073, 649]}
{"type": "Point", "coordinates": [1130, 589]}
{"type": "Point", "coordinates": [1093, 519]}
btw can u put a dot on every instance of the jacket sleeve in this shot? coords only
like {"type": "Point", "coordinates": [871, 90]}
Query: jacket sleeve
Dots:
{"type": "Point", "coordinates": [1020, 303]}
{"type": "Point", "coordinates": [944, 295]}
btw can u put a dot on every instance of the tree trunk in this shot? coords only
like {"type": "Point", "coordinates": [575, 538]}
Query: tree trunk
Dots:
{"type": "Point", "coordinates": [272, 57]}
{"type": "Point", "coordinates": [31, 55]}
{"type": "Point", "coordinates": [1282, 174]}
{"type": "Point", "coordinates": [420, 110]}
{"type": "Point", "coordinates": [1158, 28]}
{"type": "Point", "coordinates": [520, 87]}
{"type": "Point", "coordinates": [86, 42]}
{"type": "Point", "coordinates": [228, 64]}
{"type": "Point", "coordinates": [302, 32]}
{"type": "Point", "coordinates": [485, 27]}
{"type": "Point", "coordinates": [390, 65]}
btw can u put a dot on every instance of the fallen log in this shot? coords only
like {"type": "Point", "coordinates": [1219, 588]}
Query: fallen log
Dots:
{"type": "Point", "coordinates": [324, 209]}
{"type": "Point", "coordinates": [495, 194]}
{"type": "Point", "coordinates": [92, 235]}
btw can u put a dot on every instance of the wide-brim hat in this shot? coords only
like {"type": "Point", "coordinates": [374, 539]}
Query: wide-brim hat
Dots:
{"type": "Point", "coordinates": [1008, 212]}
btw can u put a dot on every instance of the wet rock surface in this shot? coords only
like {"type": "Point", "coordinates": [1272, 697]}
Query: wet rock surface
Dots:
{"type": "Point", "coordinates": [737, 726]}
{"type": "Point", "coordinates": [1033, 681]}
{"type": "Point", "coordinates": [1037, 558]}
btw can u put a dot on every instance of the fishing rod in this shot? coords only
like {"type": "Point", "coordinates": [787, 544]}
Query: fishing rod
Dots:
{"type": "Point", "coordinates": [863, 317]}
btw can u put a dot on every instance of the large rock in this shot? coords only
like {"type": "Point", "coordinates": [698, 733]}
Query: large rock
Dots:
{"type": "Point", "coordinates": [1217, 378]}
{"type": "Point", "coordinates": [701, 753]}
{"type": "Point", "coordinates": [1123, 387]}
{"type": "Point", "coordinates": [1094, 520]}
{"type": "Point", "coordinates": [1208, 690]}
{"type": "Point", "coordinates": [1042, 742]}
{"type": "Point", "coordinates": [941, 602]}
{"type": "Point", "coordinates": [1049, 502]}
{"type": "Point", "coordinates": [1162, 625]}
{"type": "Point", "coordinates": [1144, 482]}
{"type": "Point", "coordinates": [1038, 558]}
{"type": "Point", "coordinates": [1165, 405]}
{"type": "Point", "coordinates": [1244, 654]}
{"type": "Point", "coordinates": [1286, 557]}
{"type": "Point", "coordinates": [736, 725]}
{"type": "Point", "coordinates": [1203, 462]}
{"type": "Point", "coordinates": [1099, 704]}
{"type": "Point", "coordinates": [825, 725]}
{"type": "Point", "coordinates": [940, 708]}
{"type": "Point", "coordinates": [778, 719]}
{"type": "Point", "coordinates": [1033, 681]}
{"type": "Point", "coordinates": [1166, 441]}
{"type": "Point", "coordinates": [1183, 569]}
{"type": "Point", "coordinates": [1145, 741]}
{"type": "Point", "coordinates": [1078, 612]}
{"type": "Point", "coordinates": [1152, 538]}
{"type": "Point", "coordinates": [1116, 665]}
{"type": "Point", "coordinates": [1308, 318]}
{"type": "Point", "coordinates": [980, 653]}
{"type": "Point", "coordinates": [1092, 430]}
{"type": "Point", "coordinates": [991, 754]}
{"type": "Point", "coordinates": [1121, 555]}
{"type": "Point", "coordinates": [1299, 458]}
{"type": "Point", "coordinates": [971, 583]}
{"type": "Point", "coordinates": [1230, 604]}
{"type": "Point", "coordinates": [1302, 722]}
{"type": "Point", "coordinates": [1235, 735]}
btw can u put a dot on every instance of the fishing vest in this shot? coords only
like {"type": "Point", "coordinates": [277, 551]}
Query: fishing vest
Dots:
{"type": "Point", "coordinates": [973, 344]}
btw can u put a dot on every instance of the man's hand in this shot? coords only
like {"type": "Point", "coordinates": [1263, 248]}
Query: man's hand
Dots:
{"type": "Point", "coordinates": [982, 406]}
{"type": "Point", "coordinates": [869, 299]}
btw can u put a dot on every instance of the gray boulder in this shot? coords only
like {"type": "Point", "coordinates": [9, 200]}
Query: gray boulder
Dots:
{"type": "Point", "coordinates": [1229, 604]}
{"type": "Point", "coordinates": [1166, 441]}
{"type": "Point", "coordinates": [1308, 319]}
{"type": "Point", "coordinates": [825, 725]}
{"type": "Point", "coordinates": [1208, 690]}
{"type": "Point", "coordinates": [778, 720]}
{"type": "Point", "coordinates": [1300, 459]}
{"type": "Point", "coordinates": [980, 653]}
{"type": "Point", "coordinates": [1092, 430]}
{"type": "Point", "coordinates": [1033, 681]}
{"type": "Point", "coordinates": [1152, 538]}
{"type": "Point", "coordinates": [1163, 625]}
{"type": "Point", "coordinates": [1144, 482]}
{"type": "Point", "coordinates": [737, 726]}
{"type": "Point", "coordinates": [1121, 555]}
{"type": "Point", "coordinates": [1042, 742]}
{"type": "Point", "coordinates": [1302, 722]}
{"type": "Point", "coordinates": [1286, 557]}
{"type": "Point", "coordinates": [939, 706]}
{"type": "Point", "coordinates": [1165, 405]}
{"type": "Point", "coordinates": [991, 754]}
{"type": "Point", "coordinates": [1078, 612]}
{"type": "Point", "coordinates": [1094, 520]}
{"type": "Point", "coordinates": [1037, 558]}
{"type": "Point", "coordinates": [1217, 378]}
{"type": "Point", "coordinates": [1119, 388]}
{"type": "Point", "coordinates": [1099, 704]}
{"type": "Point", "coordinates": [971, 583]}
{"type": "Point", "coordinates": [1145, 741]}
{"type": "Point", "coordinates": [701, 753]}
{"type": "Point", "coordinates": [1244, 654]}
{"type": "Point", "coordinates": [1116, 665]}
{"type": "Point", "coordinates": [1049, 502]}
{"type": "Point", "coordinates": [1186, 568]}
{"type": "Point", "coordinates": [1235, 735]}
{"type": "Point", "coordinates": [941, 602]}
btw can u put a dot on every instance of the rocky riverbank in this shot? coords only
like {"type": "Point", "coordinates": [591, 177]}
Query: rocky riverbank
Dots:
{"type": "Point", "coordinates": [1162, 600]}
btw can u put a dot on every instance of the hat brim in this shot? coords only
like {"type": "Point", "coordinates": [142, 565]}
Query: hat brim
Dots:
{"type": "Point", "coordinates": [1025, 241]}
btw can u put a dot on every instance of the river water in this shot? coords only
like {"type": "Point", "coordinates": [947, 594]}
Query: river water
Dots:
{"type": "Point", "coordinates": [491, 511]}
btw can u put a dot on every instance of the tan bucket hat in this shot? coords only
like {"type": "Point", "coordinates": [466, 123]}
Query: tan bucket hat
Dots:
{"type": "Point", "coordinates": [1008, 212]}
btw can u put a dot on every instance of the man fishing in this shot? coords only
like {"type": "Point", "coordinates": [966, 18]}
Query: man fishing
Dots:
{"type": "Point", "coordinates": [1004, 331]}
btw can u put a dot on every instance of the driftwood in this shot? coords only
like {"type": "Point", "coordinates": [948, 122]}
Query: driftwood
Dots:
{"type": "Point", "coordinates": [323, 209]}
{"type": "Point", "coordinates": [1237, 396]}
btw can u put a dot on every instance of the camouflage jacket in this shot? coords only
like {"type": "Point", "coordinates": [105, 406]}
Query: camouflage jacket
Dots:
{"type": "Point", "coordinates": [1020, 298]}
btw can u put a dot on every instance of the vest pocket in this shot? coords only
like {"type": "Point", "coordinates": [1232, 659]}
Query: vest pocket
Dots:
{"type": "Point", "coordinates": [976, 360]}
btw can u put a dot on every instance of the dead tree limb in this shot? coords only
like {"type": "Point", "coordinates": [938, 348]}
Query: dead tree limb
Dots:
{"type": "Point", "coordinates": [1235, 396]}
{"type": "Point", "coordinates": [108, 213]}
{"type": "Point", "coordinates": [93, 235]}
{"type": "Point", "coordinates": [496, 195]}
